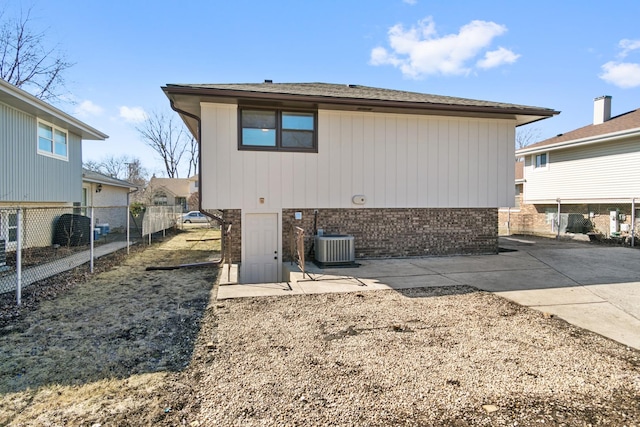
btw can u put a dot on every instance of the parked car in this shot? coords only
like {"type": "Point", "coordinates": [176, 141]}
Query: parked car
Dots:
{"type": "Point", "coordinates": [194, 216]}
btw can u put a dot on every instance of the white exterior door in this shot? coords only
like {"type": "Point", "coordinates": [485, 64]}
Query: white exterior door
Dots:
{"type": "Point", "coordinates": [260, 243]}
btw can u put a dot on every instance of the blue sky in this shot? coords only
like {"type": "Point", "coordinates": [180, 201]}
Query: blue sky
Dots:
{"type": "Point", "coordinates": [554, 54]}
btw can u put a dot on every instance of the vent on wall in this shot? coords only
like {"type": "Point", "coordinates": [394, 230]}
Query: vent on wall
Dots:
{"type": "Point", "coordinates": [336, 249]}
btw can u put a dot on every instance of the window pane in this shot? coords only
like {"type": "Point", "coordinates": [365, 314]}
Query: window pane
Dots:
{"type": "Point", "coordinates": [259, 137]}
{"type": "Point", "coordinates": [300, 121]}
{"type": "Point", "coordinates": [541, 160]}
{"type": "Point", "coordinates": [299, 139]}
{"type": "Point", "coordinates": [61, 149]}
{"type": "Point", "coordinates": [60, 143]}
{"type": "Point", "coordinates": [258, 119]}
{"type": "Point", "coordinates": [13, 234]}
{"type": "Point", "coordinates": [45, 131]}
{"type": "Point", "coordinates": [45, 145]}
{"type": "Point", "coordinates": [13, 220]}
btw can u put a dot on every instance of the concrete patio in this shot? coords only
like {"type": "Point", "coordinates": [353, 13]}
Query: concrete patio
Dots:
{"type": "Point", "coordinates": [590, 286]}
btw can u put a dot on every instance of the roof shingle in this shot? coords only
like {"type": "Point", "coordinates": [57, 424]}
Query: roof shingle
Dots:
{"type": "Point", "coordinates": [625, 121]}
{"type": "Point", "coordinates": [356, 92]}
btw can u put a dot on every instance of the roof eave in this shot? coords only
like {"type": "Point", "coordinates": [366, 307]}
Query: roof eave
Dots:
{"type": "Point", "coordinates": [532, 113]}
{"type": "Point", "coordinates": [111, 183]}
{"type": "Point", "coordinates": [579, 142]}
{"type": "Point", "coordinates": [24, 101]}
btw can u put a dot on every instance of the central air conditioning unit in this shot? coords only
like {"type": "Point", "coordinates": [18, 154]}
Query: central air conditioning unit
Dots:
{"type": "Point", "coordinates": [334, 249]}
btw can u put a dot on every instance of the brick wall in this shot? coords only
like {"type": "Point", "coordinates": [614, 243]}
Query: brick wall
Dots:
{"type": "Point", "coordinates": [533, 219]}
{"type": "Point", "coordinates": [401, 232]}
{"type": "Point", "coordinates": [528, 220]}
{"type": "Point", "coordinates": [233, 217]}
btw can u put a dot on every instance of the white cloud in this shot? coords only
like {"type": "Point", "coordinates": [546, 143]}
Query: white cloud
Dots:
{"type": "Point", "coordinates": [133, 114]}
{"type": "Point", "coordinates": [627, 46]}
{"type": "Point", "coordinates": [622, 74]}
{"type": "Point", "coordinates": [87, 109]}
{"type": "Point", "coordinates": [495, 58]}
{"type": "Point", "coordinates": [419, 51]}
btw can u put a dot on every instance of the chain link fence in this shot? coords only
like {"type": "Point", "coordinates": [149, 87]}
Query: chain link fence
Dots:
{"type": "Point", "coordinates": [599, 220]}
{"type": "Point", "coordinates": [40, 242]}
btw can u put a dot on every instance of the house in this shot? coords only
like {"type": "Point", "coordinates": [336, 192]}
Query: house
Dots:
{"type": "Point", "coordinates": [404, 173]}
{"type": "Point", "coordinates": [109, 197]}
{"type": "Point", "coordinates": [171, 191]}
{"type": "Point", "coordinates": [591, 174]}
{"type": "Point", "coordinates": [40, 161]}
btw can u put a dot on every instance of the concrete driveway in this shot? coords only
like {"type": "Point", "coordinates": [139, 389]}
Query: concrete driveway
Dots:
{"type": "Point", "coordinates": [593, 287]}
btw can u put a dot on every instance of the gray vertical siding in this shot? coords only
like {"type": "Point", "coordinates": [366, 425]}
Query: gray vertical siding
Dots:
{"type": "Point", "coordinates": [25, 175]}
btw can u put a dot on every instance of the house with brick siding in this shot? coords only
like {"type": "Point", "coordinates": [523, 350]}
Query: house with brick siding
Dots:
{"type": "Point", "coordinates": [406, 174]}
{"type": "Point", "coordinates": [592, 171]}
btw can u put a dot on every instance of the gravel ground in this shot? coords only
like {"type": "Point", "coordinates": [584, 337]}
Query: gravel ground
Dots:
{"type": "Point", "coordinates": [432, 356]}
{"type": "Point", "coordinates": [427, 357]}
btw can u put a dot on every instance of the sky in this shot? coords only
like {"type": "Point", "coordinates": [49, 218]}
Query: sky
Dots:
{"type": "Point", "coordinates": [552, 54]}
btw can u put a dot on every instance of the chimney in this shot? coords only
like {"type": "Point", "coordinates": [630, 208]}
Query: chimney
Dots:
{"type": "Point", "coordinates": [601, 109]}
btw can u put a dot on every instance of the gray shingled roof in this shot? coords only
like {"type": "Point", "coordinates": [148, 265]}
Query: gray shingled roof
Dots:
{"type": "Point", "coordinates": [626, 121]}
{"type": "Point", "coordinates": [353, 92]}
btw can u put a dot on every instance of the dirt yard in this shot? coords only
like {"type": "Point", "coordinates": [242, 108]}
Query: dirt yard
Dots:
{"type": "Point", "coordinates": [135, 347]}
{"type": "Point", "coordinates": [103, 351]}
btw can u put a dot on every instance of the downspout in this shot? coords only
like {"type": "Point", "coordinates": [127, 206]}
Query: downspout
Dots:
{"type": "Point", "coordinates": [199, 139]}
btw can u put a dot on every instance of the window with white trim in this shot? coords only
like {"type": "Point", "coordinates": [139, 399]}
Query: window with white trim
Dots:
{"type": "Point", "coordinates": [541, 161]}
{"type": "Point", "coordinates": [52, 141]}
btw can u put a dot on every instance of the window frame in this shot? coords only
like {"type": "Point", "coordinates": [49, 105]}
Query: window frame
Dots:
{"type": "Point", "coordinates": [279, 129]}
{"type": "Point", "coordinates": [54, 129]}
{"type": "Point", "coordinates": [534, 161]}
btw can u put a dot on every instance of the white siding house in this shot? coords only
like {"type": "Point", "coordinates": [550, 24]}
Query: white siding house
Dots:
{"type": "Point", "coordinates": [394, 160]}
{"type": "Point", "coordinates": [591, 171]}
{"type": "Point", "coordinates": [108, 196]}
{"type": "Point", "coordinates": [596, 162]}
{"type": "Point", "coordinates": [407, 174]}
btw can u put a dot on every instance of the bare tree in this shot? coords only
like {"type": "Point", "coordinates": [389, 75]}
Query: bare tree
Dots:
{"type": "Point", "coordinates": [527, 136]}
{"type": "Point", "coordinates": [27, 63]}
{"type": "Point", "coordinates": [192, 151]}
{"type": "Point", "coordinates": [92, 165]}
{"type": "Point", "coordinates": [136, 174]}
{"type": "Point", "coordinates": [166, 138]}
{"type": "Point", "coordinates": [122, 167]}
{"type": "Point", "coordinates": [116, 167]}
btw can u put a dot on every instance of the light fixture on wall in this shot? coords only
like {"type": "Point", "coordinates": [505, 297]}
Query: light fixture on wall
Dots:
{"type": "Point", "coordinates": [99, 188]}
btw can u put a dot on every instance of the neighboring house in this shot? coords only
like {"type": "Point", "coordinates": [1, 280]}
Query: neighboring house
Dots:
{"type": "Point", "coordinates": [506, 215]}
{"type": "Point", "coordinates": [591, 171]}
{"type": "Point", "coordinates": [108, 196]}
{"type": "Point", "coordinates": [170, 191]}
{"type": "Point", "coordinates": [406, 174]}
{"type": "Point", "coordinates": [40, 160]}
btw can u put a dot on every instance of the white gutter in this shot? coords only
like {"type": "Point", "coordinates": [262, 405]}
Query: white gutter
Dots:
{"type": "Point", "coordinates": [580, 142]}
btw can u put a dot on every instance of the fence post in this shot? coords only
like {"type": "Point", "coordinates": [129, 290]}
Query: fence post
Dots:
{"type": "Point", "coordinates": [91, 227]}
{"type": "Point", "coordinates": [558, 221]}
{"type": "Point", "coordinates": [128, 224]}
{"type": "Point", "coordinates": [633, 222]}
{"type": "Point", "coordinates": [19, 256]}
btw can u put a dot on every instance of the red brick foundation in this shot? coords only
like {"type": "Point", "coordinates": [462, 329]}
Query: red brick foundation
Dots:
{"type": "Point", "coordinates": [387, 233]}
{"type": "Point", "coordinates": [401, 232]}
{"type": "Point", "coordinates": [232, 217]}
